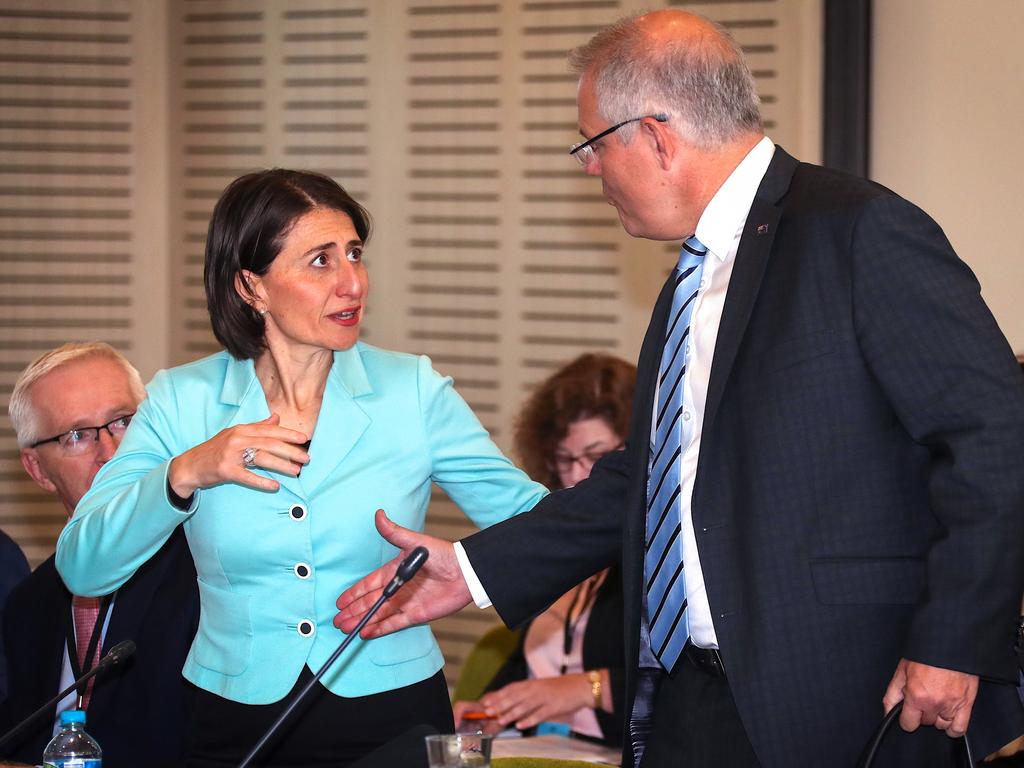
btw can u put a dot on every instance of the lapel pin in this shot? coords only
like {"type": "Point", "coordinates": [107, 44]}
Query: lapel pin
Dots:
{"type": "Point", "coordinates": [762, 229]}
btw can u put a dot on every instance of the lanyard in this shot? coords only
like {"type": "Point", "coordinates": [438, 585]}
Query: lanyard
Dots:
{"type": "Point", "coordinates": [90, 651]}
{"type": "Point", "coordinates": [582, 597]}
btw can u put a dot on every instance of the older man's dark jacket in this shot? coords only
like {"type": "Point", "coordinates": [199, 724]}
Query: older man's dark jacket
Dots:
{"type": "Point", "coordinates": [138, 711]}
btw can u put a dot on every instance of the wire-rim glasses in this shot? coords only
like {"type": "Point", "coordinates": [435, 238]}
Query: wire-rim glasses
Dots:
{"type": "Point", "coordinates": [81, 439]}
{"type": "Point", "coordinates": [584, 150]}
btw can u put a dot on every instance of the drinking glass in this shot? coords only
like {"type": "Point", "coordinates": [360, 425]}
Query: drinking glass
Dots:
{"type": "Point", "coordinates": [459, 750]}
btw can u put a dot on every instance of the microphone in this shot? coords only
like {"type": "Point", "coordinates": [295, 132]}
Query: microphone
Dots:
{"type": "Point", "coordinates": [114, 656]}
{"type": "Point", "coordinates": [406, 570]}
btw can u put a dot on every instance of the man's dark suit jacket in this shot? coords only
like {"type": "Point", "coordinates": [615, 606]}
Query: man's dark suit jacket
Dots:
{"type": "Point", "coordinates": [859, 492]}
{"type": "Point", "coordinates": [602, 649]}
{"type": "Point", "coordinates": [13, 569]}
{"type": "Point", "coordinates": [158, 609]}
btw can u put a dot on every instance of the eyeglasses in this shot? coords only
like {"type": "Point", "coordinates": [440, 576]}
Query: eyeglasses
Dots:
{"type": "Point", "coordinates": [584, 151]}
{"type": "Point", "coordinates": [83, 439]}
{"type": "Point", "coordinates": [564, 462]}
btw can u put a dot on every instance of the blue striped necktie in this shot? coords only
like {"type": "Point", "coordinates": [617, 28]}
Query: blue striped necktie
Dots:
{"type": "Point", "coordinates": [663, 560]}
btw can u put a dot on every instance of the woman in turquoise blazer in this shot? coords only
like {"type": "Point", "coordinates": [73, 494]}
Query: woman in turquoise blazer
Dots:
{"type": "Point", "coordinates": [274, 455]}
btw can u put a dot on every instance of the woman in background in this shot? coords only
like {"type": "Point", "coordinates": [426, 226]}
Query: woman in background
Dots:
{"type": "Point", "coordinates": [275, 455]}
{"type": "Point", "coordinates": [568, 668]}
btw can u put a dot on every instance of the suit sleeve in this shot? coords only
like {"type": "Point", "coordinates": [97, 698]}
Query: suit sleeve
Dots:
{"type": "Point", "coordinates": [126, 517]}
{"type": "Point", "coordinates": [527, 562]}
{"type": "Point", "coordinates": [465, 461]}
{"type": "Point", "coordinates": [951, 379]}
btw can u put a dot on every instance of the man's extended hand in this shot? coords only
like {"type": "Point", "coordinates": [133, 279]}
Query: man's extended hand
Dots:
{"type": "Point", "coordinates": [436, 591]}
{"type": "Point", "coordinates": [932, 696]}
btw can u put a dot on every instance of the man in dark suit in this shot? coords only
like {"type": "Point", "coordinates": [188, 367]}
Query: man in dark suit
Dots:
{"type": "Point", "coordinates": [70, 409]}
{"type": "Point", "coordinates": [13, 568]}
{"type": "Point", "coordinates": [821, 491]}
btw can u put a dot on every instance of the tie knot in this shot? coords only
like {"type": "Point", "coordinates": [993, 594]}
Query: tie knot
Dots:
{"type": "Point", "coordinates": [85, 603]}
{"type": "Point", "coordinates": [692, 252]}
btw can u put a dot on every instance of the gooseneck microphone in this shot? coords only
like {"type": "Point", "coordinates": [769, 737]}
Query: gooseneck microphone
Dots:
{"type": "Point", "coordinates": [114, 656]}
{"type": "Point", "coordinates": [406, 570]}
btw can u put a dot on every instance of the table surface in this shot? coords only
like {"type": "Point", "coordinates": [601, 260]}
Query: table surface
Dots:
{"type": "Point", "coordinates": [558, 747]}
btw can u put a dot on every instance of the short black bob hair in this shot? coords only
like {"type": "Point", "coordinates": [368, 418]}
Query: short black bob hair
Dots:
{"type": "Point", "coordinates": [247, 230]}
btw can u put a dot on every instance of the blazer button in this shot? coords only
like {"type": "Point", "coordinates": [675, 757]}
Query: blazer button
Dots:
{"type": "Point", "coordinates": [302, 570]}
{"type": "Point", "coordinates": [306, 628]}
{"type": "Point", "coordinates": [298, 512]}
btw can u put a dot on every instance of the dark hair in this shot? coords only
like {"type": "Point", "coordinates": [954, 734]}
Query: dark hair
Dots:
{"type": "Point", "coordinates": [247, 229]}
{"type": "Point", "coordinates": [591, 386]}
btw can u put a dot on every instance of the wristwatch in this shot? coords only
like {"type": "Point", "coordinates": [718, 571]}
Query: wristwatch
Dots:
{"type": "Point", "coordinates": [595, 686]}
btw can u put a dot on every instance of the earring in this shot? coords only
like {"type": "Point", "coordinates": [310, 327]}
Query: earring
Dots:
{"type": "Point", "coordinates": [263, 312]}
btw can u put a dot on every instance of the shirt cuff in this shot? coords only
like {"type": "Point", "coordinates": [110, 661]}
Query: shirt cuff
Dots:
{"type": "Point", "coordinates": [179, 504]}
{"type": "Point", "coordinates": [476, 589]}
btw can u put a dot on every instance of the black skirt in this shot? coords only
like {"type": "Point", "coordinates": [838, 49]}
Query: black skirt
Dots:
{"type": "Point", "coordinates": [325, 730]}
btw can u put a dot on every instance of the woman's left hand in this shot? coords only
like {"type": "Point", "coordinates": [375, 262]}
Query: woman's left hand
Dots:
{"type": "Point", "coordinates": [529, 702]}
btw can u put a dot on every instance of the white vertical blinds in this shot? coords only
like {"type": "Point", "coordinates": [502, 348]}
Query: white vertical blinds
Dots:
{"type": "Point", "coordinates": [450, 119]}
{"type": "Point", "coordinates": [67, 241]}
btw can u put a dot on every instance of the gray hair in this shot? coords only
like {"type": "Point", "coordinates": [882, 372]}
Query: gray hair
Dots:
{"type": "Point", "coordinates": [23, 413]}
{"type": "Point", "coordinates": [704, 86]}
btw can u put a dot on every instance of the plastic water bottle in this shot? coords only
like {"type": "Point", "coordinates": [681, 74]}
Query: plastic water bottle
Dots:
{"type": "Point", "coordinates": [73, 747]}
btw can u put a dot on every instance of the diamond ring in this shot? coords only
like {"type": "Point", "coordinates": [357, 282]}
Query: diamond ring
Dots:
{"type": "Point", "coordinates": [249, 457]}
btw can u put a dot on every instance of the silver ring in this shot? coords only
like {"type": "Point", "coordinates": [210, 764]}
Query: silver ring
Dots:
{"type": "Point", "coordinates": [249, 457]}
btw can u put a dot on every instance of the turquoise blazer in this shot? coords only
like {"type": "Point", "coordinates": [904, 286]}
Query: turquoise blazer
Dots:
{"type": "Point", "coordinates": [271, 565]}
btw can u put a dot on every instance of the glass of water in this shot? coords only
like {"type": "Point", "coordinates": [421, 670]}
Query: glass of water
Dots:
{"type": "Point", "coordinates": [459, 750]}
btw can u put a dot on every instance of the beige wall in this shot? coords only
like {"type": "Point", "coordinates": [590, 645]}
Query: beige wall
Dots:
{"type": "Point", "coordinates": [947, 114]}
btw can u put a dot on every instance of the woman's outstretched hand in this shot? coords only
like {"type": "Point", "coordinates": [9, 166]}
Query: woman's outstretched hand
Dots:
{"type": "Point", "coordinates": [221, 459]}
{"type": "Point", "coordinates": [437, 590]}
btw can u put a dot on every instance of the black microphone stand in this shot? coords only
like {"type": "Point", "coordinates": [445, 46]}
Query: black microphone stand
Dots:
{"type": "Point", "coordinates": [406, 570]}
{"type": "Point", "coordinates": [114, 656]}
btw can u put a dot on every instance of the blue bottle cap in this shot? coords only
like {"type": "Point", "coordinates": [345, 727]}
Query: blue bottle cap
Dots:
{"type": "Point", "coordinates": [72, 716]}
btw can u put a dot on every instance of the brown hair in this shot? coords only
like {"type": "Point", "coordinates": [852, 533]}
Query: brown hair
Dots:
{"type": "Point", "coordinates": [591, 386]}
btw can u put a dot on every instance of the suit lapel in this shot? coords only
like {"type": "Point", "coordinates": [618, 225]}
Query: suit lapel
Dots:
{"type": "Point", "coordinates": [340, 424]}
{"type": "Point", "coordinates": [53, 621]}
{"type": "Point", "coordinates": [39, 647]}
{"type": "Point", "coordinates": [341, 421]}
{"type": "Point", "coordinates": [751, 261]}
{"type": "Point", "coordinates": [242, 389]}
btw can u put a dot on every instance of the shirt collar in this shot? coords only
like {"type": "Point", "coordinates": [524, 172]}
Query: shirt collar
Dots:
{"type": "Point", "coordinates": [725, 215]}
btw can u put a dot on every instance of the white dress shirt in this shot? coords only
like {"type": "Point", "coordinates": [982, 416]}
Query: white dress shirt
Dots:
{"type": "Point", "coordinates": [719, 229]}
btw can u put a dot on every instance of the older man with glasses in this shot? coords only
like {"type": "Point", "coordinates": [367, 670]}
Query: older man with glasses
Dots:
{"type": "Point", "coordinates": [70, 408]}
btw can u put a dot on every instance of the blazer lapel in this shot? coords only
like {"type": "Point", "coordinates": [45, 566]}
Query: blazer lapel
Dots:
{"type": "Point", "coordinates": [341, 421]}
{"type": "Point", "coordinates": [52, 628]}
{"type": "Point", "coordinates": [751, 261]}
{"type": "Point", "coordinates": [242, 389]}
